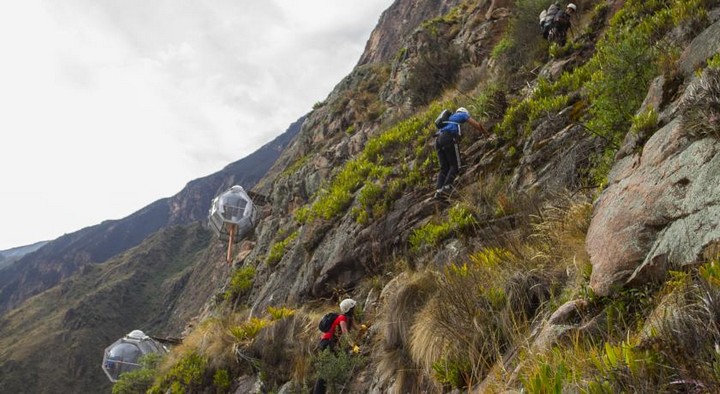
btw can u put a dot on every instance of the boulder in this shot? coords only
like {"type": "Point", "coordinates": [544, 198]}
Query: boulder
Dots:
{"type": "Point", "coordinates": [660, 210]}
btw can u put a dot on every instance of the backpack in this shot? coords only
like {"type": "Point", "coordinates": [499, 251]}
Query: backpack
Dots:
{"type": "Point", "coordinates": [327, 321]}
{"type": "Point", "coordinates": [442, 119]}
{"type": "Point", "coordinates": [547, 16]}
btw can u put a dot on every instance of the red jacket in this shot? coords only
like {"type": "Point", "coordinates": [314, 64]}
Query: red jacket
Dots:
{"type": "Point", "coordinates": [334, 326]}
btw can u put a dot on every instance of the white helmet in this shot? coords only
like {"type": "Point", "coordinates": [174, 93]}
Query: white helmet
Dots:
{"type": "Point", "coordinates": [572, 6]}
{"type": "Point", "coordinates": [462, 109]}
{"type": "Point", "coordinates": [347, 304]}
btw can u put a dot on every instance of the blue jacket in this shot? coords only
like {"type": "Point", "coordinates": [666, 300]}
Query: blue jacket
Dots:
{"type": "Point", "coordinates": [453, 124]}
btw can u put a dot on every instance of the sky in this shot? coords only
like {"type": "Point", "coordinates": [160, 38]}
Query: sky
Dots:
{"type": "Point", "coordinates": [109, 105]}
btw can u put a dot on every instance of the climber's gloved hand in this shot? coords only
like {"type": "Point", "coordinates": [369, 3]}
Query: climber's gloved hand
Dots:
{"type": "Point", "coordinates": [356, 349]}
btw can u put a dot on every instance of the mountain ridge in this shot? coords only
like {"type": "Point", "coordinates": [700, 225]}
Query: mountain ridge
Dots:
{"type": "Point", "coordinates": [60, 258]}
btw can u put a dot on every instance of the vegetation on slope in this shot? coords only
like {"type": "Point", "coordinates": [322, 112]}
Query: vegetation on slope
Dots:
{"type": "Point", "coordinates": [480, 320]}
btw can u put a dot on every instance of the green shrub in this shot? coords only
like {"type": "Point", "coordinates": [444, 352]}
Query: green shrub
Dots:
{"type": "Point", "coordinates": [185, 376]}
{"type": "Point", "coordinates": [644, 123]}
{"type": "Point", "coordinates": [221, 381]}
{"type": "Point", "coordinates": [139, 380]}
{"type": "Point", "coordinates": [277, 250]}
{"type": "Point", "coordinates": [280, 313]}
{"type": "Point", "coordinates": [618, 87]}
{"type": "Point", "coordinates": [546, 379]}
{"type": "Point", "coordinates": [558, 51]}
{"type": "Point", "coordinates": [501, 48]}
{"type": "Point", "coordinates": [489, 103]}
{"type": "Point", "coordinates": [452, 373]}
{"type": "Point", "coordinates": [714, 62]}
{"type": "Point", "coordinates": [522, 47]}
{"type": "Point", "coordinates": [240, 283]}
{"type": "Point", "coordinates": [248, 330]}
{"type": "Point", "coordinates": [433, 70]}
{"type": "Point", "coordinates": [460, 219]}
{"type": "Point", "coordinates": [336, 368]}
{"type": "Point", "coordinates": [626, 368]}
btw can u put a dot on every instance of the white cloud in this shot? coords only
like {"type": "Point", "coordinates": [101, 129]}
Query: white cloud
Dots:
{"type": "Point", "coordinates": [110, 105]}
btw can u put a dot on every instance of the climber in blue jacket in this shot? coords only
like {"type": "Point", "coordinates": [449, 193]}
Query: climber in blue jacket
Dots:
{"type": "Point", "coordinates": [448, 152]}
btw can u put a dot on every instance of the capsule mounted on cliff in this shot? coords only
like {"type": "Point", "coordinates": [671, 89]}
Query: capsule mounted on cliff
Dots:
{"type": "Point", "coordinates": [124, 354]}
{"type": "Point", "coordinates": [232, 216]}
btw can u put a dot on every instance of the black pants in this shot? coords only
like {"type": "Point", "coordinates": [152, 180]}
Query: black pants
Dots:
{"type": "Point", "coordinates": [320, 384]}
{"type": "Point", "coordinates": [448, 154]}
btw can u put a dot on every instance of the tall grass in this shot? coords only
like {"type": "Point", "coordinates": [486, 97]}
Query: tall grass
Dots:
{"type": "Point", "coordinates": [473, 313]}
{"type": "Point", "coordinates": [669, 346]}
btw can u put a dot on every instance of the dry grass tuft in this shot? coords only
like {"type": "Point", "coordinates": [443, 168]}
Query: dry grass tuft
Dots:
{"type": "Point", "coordinates": [211, 339]}
{"type": "Point", "coordinates": [279, 346]}
{"type": "Point", "coordinates": [684, 330]}
{"type": "Point", "coordinates": [700, 108]}
{"type": "Point", "coordinates": [282, 347]}
{"type": "Point", "coordinates": [400, 310]}
{"type": "Point", "coordinates": [410, 293]}
{"type": "Point", "coordinates": [559, 231]}
{"type": "Point", "coordinates": [467, 325]}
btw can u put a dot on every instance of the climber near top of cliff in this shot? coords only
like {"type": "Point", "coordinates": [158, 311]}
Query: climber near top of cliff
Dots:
{"type": "Point", "coordinates": [555, 22]}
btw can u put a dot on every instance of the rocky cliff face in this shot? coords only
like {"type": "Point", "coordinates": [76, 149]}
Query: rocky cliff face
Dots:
{"type": "Point", "coordinates": [660, 209]}
{"type": "Point", "coordinates": [473, 293]}
{"type": "Point", "coordinates": [340, 252]}
{"type": "Point", "coordinates": [657, 212]}
{"type": "Point", "coordinates": [396, 23]}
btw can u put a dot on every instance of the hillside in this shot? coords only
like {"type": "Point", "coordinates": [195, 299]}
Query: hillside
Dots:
{"type": "Point", "coordinates": [578, 252]}
{"type": "Point", "coordinates": [12, 255]}
{"type": "Point", "coordinates": [144, 287]}
{"type": "Point", "coordinates": [154, 270]}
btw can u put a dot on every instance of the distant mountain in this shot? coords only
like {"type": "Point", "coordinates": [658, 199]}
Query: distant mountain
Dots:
{"type": "Point", "coordinates": [59, 259]}
{"type": "Point", "coordinates": [152, 287]}
{"type": "Point", "coordinates": [10, 256]}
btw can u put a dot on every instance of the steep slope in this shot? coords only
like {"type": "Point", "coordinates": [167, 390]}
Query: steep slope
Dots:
{"type": "Point", "coordinates": [333, 250]}
{"type": "Point", "coordinates": [61, 258]}
{"type": "Point", "coordinates": [496, 291]}
{"type": "Point", "coordinates": [501, 288]}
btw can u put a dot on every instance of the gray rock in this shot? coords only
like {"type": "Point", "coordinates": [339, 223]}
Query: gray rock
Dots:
{"type": "Point", "coordinates": [660, 210]}
{"type": "Point", "coordinates": [705, 45]}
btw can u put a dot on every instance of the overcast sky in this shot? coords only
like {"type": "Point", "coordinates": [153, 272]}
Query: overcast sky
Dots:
{"type": "Point", "coordinates": [109, 105]}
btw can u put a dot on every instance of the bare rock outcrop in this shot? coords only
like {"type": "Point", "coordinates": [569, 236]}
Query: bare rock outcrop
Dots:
{"type": "Point", "coordinates": [397, 22]}
{"type": "Point", "coordinates": [553, 156]}
{"type": "Point", "coordinates": [660, 210]}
